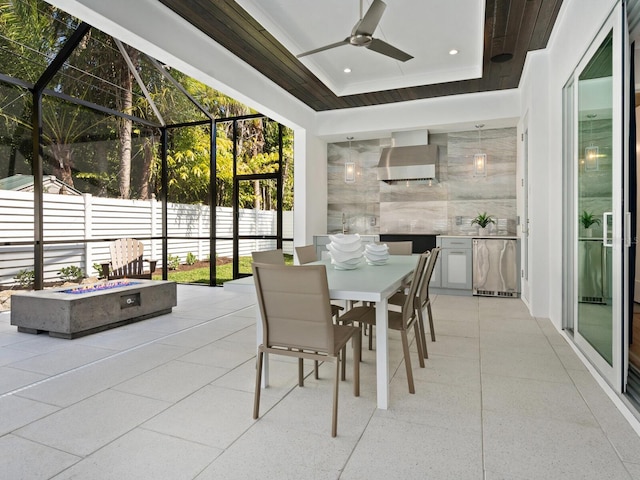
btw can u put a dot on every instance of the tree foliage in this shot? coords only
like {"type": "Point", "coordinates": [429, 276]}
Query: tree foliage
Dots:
{"type": "Point", "coordinates": [110, 155]}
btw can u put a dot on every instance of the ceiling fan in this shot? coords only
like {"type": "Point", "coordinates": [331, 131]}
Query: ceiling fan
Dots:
{"type": "Point", "coordinates": [362, 35]}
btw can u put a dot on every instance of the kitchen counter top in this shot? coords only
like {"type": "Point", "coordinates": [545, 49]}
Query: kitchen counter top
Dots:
{"type": "Point", "coordinates": [489, 237]}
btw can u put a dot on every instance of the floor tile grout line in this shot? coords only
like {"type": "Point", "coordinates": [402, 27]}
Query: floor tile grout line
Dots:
{"type": "Point", "coordinates": [482, 450]}
{"type": "Point", "coordinates": [115, 355]}
{"type": "Point", "coordinates": [595, 417]}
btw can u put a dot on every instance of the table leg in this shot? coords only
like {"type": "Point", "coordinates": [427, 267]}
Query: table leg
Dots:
{"type": "Point", "coordinates": [265, 360]}
{"type": "Point", "coordinates": [382, 354]}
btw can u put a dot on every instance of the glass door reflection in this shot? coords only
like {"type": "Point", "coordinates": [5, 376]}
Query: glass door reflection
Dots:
{"type": "Point", "coordinates": [595, 201]}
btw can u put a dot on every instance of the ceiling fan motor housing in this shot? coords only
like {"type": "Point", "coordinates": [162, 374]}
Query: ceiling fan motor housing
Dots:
{"type": "Point", "coordinates": [360, 40]}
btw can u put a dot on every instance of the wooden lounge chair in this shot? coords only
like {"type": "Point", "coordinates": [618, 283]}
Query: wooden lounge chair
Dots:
{"type": "Point", "coordinates": [126, 260]}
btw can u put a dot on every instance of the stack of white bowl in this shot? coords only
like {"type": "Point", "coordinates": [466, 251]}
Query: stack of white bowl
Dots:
{"type": "Point", "coordinates": [376, 253]}
{"type": "Point", "coordinates": [345, 251]}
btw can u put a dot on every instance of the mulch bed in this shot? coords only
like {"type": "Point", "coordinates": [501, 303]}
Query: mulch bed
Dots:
{"type": "Point", "coordinates": [199, 264]}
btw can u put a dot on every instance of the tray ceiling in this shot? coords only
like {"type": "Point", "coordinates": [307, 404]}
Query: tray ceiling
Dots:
{"type": "Point", "coordinates": [269, 35]}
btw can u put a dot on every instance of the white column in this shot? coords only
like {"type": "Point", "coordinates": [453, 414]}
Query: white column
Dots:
{"type": "Point", "coordinates": [154, 216]}
{"type": "Point", "coordinates": [88, 234]}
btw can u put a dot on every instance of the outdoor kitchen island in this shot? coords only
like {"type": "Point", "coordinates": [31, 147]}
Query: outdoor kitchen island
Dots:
{"type": "Point", "coordinates": [74, 312]}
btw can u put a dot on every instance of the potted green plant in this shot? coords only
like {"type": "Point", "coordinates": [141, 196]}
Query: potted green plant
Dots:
{"type": "Point", "coordinates": [587, 219]}
{"type": "Point", "coordinates": [483, 220]}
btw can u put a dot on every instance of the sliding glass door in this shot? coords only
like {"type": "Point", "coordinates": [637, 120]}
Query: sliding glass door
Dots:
{"type": "Point", "coordinates": [595, 210]}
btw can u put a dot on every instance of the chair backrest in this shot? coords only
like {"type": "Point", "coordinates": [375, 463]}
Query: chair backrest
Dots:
{"type": "Point", "coordinates": [273, 257]}
{"type": "Point", "coordinates": [306, 254]}
{"type": "Point", "coordinates": [295, 306]}
{"type": "Point", "coordinates": [126, 256]}
{"type": "Point", "coordinates": [408, 309]}
{"type": "Point", "coordinates": [400, 248]}
{"type": "Point", "coordinates": [423, 293]}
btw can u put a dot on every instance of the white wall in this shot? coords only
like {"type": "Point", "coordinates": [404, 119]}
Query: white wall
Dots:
{"type": "Point", "coordinates": [444, 114]}
{"type": "Point", "coordinates": [544, 77]}
{"type": "Point", "coordinates": [310, 188]}
{"type": "Point", "coordinates": [535, 93]}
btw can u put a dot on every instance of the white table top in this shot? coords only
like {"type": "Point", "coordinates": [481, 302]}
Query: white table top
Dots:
{"type": "Point", "coordinates": [365, 283]}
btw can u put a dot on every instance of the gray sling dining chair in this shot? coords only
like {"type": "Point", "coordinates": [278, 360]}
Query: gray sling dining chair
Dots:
{"type": "Point", "coordinates": [394, 248]}
{"type": "Point", "coordinates": [296, 322]}
{"type": "Point", "coordinates": [401, 321]}
{"type": "Point", "coordinates": [422, 299]}
{"type": "Point", "coordinates": [400, 248]}
{"type": "Point", "coordinates": [274, 257]}
{"type": "Point", "coordinates": [307, 254]}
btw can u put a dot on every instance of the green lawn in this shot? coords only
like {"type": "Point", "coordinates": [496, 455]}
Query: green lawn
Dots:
{"type": "Point", "coordinates": [224, 272]}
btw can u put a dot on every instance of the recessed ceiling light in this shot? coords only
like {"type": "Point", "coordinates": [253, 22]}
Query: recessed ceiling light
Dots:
{"type": "Point", "coordinates": [453, 51]}
{"type": "Point", "coordinates": [347, 70]}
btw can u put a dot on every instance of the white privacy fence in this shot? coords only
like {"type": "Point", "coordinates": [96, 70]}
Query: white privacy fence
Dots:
{"type": "Point", "coordinates": [68, 218]}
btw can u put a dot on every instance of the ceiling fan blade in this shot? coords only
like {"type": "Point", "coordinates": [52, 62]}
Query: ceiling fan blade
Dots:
{"type": "Point", "coordinates": [326, 47]}
{"type": "Point", "coordinates": [370, 21]}
{"type": "Point", "coordinates": [389, 50]}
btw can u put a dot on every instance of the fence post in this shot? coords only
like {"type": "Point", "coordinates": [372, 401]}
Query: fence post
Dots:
{"type": "Point", "coordinates": [88, 234]}
{"type": "Point", "coordinates": [256, 224]}
{"type": "Point", "coordinates": [154, 213]}
{"type": "Point", "coordinates": [200, 252]}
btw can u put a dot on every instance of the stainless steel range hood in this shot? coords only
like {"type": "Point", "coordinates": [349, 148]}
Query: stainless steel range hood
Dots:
{"type": "Point", "coordinates": [415, 162]}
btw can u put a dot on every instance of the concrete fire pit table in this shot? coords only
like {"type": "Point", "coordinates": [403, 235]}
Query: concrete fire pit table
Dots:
{"type": "Point", "coordinates": [74, 312]}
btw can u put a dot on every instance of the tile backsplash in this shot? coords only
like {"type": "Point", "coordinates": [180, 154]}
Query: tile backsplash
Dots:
{"type": "Point", "coordinates": [447, 205]}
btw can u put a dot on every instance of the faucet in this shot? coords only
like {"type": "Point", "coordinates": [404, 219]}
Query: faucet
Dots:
{"type": "Point", "coordinates": [345, 229]}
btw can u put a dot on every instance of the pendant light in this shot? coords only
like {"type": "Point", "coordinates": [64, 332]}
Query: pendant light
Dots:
{"type": "Point", "coordinates": [591, 153]}
{"type": "Point", "coordinates": [349, 167]}
{"type": "Point", "coordinates": [480, 159]}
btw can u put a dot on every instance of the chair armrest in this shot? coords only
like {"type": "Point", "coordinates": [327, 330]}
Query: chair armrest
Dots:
{"type": "Point", "coordinates": [152, 265]}
{"type": "Point", "coordinates": [105, 267]}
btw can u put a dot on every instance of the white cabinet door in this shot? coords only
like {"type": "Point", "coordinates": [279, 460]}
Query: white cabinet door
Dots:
{"type": "Point", "coordinates": [456, 268]}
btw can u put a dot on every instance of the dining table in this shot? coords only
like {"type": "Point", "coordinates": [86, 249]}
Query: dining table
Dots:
{"type": "Point", "coordinates": [365, 283]}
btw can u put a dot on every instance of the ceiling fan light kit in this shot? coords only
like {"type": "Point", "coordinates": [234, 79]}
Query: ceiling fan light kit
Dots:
{"type": "Point", "coordinates": [362, 35]}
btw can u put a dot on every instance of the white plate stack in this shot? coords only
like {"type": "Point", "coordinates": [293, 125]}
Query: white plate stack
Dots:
{"type": "Point", "coordinates": [345, 251]}
{"type": "Point", "coordinates": [376, 253]}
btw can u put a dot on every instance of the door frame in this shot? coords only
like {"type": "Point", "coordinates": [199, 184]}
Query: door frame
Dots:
{"type": "Point", "coordinates": [614, 374]}
{"type": "Point", "coordinates": [524, 209]}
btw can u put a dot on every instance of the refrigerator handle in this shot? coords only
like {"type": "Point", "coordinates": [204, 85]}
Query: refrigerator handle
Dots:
{"type": "Point", "coordinates": [605, 229]}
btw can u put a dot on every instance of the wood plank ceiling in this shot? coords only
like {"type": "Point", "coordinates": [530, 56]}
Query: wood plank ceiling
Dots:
{"type": "Point", "coordinates": [511, 27]}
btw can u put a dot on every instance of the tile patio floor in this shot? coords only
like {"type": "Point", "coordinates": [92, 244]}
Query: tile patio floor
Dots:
{"type": "Point", "coordinates": [503, 396]}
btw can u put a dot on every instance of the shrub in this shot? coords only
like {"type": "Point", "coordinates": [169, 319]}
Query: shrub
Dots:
{"type": "Point", "coordinates": [191, 259]}
{"type": "Point", "coordinates": [72, 273]}
{"type": "Point", "coordinates": [173, 262]}
{"type": "Point", "coordinates": [98, 268]}
{"type": "Point", "coordinates": [26, 278]}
